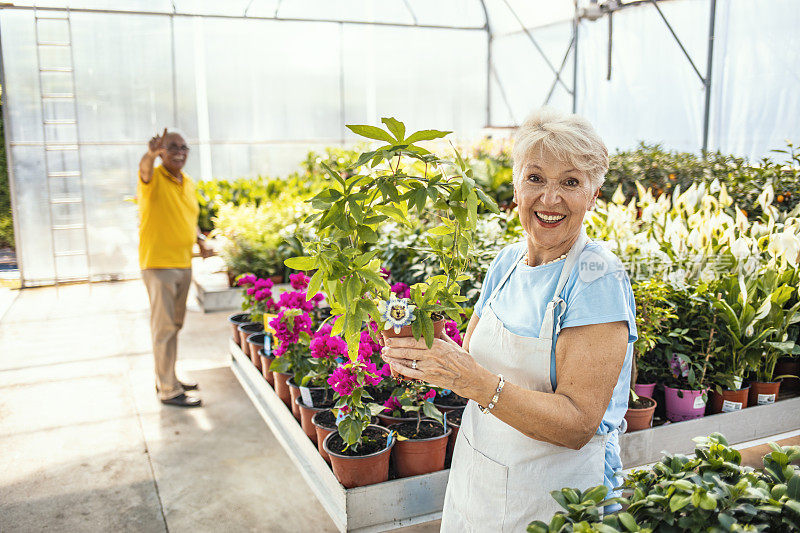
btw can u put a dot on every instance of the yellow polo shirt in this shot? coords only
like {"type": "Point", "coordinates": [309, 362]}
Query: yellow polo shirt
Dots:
{"type": "Point", "coordinates": [167, 221]}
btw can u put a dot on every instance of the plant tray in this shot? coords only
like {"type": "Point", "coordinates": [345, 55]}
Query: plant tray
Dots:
{"type": "Point", "coordinates": [403, 502]}
{"type": "Point", "coordinates": [380, 507]}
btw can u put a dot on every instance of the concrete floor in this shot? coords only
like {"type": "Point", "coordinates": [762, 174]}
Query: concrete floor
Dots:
{"type": "Point", "coordinates": [86, 446]}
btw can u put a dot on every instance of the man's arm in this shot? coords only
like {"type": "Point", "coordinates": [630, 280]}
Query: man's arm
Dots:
{"type": "Point", "coordinates": [155, 148]}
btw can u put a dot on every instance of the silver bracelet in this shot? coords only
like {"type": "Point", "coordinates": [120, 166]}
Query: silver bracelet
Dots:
{"type": "Point", "coordinates": [496, 396]}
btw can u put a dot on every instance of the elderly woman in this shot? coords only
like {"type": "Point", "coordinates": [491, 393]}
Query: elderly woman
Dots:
{"type": "Point", "coordinates": [546, 359]}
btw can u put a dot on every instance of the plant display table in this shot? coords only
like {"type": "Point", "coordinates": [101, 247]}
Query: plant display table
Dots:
{"type": "Point", "coordinates": [403, 502]}
{"type": "Point", "coordinates": [393, 504]}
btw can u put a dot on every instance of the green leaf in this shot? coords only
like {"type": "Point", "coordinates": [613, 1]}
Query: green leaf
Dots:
{"type": "Point", "coordinates": [793, 487]}
{"type": "Point", "coordinates": [627, 520]}
{"type": "Point", "coordinates": [334, 175]}
{"type": "Point", "coordinates": [676, 503]}
{"type": "Point", "coordinates": [367, 234]}
{"type": "Point", "coordinates": [350, 430]}
{"type": "Point", "coordinates": [397, 128]}
{"type": "Point", "coordinates": [426, 135]}
{"type": "Point", "coordinates": [370, 132]}
{"type": "Point", "coordinates": [301, 263]}
{"type": "Point", "coordinates": [431, 411]}
{"type": "Point", "coordinates": [441, 230]}
{"type": "Point", "coordinates": [314, 285]}
{"type": "Point", "coordinates": [596, 494]}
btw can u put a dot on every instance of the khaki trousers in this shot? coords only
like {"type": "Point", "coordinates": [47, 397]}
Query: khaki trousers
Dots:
{"type": "Point", "coordinates": [167, 289]}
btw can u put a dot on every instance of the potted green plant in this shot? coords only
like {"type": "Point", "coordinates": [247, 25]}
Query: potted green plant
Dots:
{"type": "Point", "coordinates": [654, 312]}
{"type": "Point", "coordinates": [744, 310]}
{"type": "Point", "coordinates": [783, 314]}
{"type": "Point", "coordinates": [388, 184]}
{"type": "Point", "coordinates": [359, 451]}
{"type": "Point", "coordinates": [688, 350]}
{"type": "Point", "coordinates": [640, 411]}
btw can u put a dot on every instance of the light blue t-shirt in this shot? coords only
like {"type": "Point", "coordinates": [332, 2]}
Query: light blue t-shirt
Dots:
{"type": "Point", "coordinates": [597, 291]}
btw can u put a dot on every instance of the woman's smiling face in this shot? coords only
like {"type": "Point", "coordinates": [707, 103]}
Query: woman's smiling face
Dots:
{"type": "Point", "coordinates": [553, 198]}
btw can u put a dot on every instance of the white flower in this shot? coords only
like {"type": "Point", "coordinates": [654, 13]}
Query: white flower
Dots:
{"type": "Point", "coordinates": [785, 244]}
{"type": "Point", "coordinates": [618, 197]}
{"type": "Point", "coordinates": [396, 312]}
{"type": "Point", "coordinates": [766, 197]}
{"type": "Point", "coordinates": [677, 278]}
{"type": "Point", "coordinates": [740, 249]}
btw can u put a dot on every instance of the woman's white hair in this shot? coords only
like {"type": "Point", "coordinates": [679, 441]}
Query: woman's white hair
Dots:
{"type": "Point", "coordinates": [568, 138]}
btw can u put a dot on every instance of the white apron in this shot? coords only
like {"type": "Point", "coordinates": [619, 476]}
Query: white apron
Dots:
{"type": "Point", "coordinates": [500, 479]}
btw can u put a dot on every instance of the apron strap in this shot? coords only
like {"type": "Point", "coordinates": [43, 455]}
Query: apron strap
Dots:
{"type": "Point", "coordinates": [546, 331]}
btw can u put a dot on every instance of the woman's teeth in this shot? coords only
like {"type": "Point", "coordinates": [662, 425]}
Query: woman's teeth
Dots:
{"type": "Point", "coordinates": [550, 218]}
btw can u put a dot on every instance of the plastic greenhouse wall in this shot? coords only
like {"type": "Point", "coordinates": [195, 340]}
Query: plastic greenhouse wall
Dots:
{"type": "Point", "coordinates": [253, 95]}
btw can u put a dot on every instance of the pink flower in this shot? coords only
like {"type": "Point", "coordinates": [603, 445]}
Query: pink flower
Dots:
{"type": "Point", "coordinates": [343, 381]}
{"type": "Point", "coordinates": [262, 294]}
{"type": "Point", "coordinates": [392, 404]}
{"type": "Point", "coordinates": [299, 281]}
{"type": "Point", "coordinates": [430, 394]}
{"type": "Point", "coordinates": [385, 371]}
{"type": "Point", "coordinates": [295, 300]}
{"type": "Point", "coordinates": [251, 291]}
{"type": "Point", "coordinates": [317, 298]}
{"type": "Point", "coordinates": [278, 351]}
{"type": "Point", "coordinates": [385, 273]}
{"type": "Point", "coordinates": [325, 329]}
{"type": "Point", "coordinates": [247, 279]}
{"type": "Point", "coordinates": [325, 346]}
{"type": "Point", "coordinates": [451, 328]}
{"type": "Point", "coordinates": [371, 374]}
{"type": "Point", "coordinates": [290, 334]}
{"type": "Point", "coordinates": [402, 290]}
{"type": "Point", "coordinates": [263, 283]}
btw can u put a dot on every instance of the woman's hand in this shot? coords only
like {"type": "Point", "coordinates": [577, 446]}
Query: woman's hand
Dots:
{"type": "Point", "coordinates": [445, 364]}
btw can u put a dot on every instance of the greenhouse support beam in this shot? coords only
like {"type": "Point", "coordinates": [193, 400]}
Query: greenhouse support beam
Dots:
{"type": "Point", "coordinates": [560, 70]}
{"type": "Point", "coordinates": [536, 45]}
{"type": "Point", "coordinates": [239, 17]}
{"type": "Point", "coordinates": [678, 40]}
{"type": "Point", "coordinates": [575, 25]}
{"type": "Point", "coordinates": [489, 38]}
{"type": "Point", "coordinates": [709, 63]}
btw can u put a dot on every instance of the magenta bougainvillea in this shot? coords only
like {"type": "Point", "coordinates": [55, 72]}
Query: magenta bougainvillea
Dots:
{"type": "Point", "coordinates": [451, 328]}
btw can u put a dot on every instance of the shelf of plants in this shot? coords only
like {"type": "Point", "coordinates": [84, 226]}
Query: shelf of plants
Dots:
{"type": "Point", "coordinates": [379, 507]}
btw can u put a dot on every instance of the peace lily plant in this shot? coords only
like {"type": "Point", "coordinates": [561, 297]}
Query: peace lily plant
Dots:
{"type": "Point", "coordinates": [397, 182]}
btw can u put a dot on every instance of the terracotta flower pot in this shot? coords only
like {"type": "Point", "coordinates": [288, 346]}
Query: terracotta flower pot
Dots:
{"type": "Point", "coordinates": [294, 394]}
{"type": "Point", "coordinates": [763, 392]}
{"type": "Point", "coordinates": [641, 418]}
{"type": "Point", "coordinates": [358, 471]}
{"type": "Point", "coordinates": [266, 360]}
{"type": "Point", "coordinates": [322, 432]}
{"type": "Point", "coordinates": [245, 330]}
{"type": "Point", "coordinates": [277, 278]}
{"type": "Point", "coordinates": [684, 404]}
{"type": "Point", "coordinates": [789, 366]}
{"type": "Point", "coordinates": [405, 331]}
{"type": "Point", "coordinates": [644, 389]}
{"type": "Point", "coordinates": [255, 344]}
{"type": "Point", "coordinates": [728, 401]}
{"type": "Point", "coordinates": [414, 457]}
{"type": "Point", "coordinates": [386, 420]}
{"type": "Point", "coordinates": [281, 388]}
{"type": "Point", "coordinates": [306, 414]}
{"type": "Point", "coordinates": [235, 320]}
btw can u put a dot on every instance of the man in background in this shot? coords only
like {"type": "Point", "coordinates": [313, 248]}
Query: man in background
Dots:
{"type": "Point", "coordinates": [168, 229]}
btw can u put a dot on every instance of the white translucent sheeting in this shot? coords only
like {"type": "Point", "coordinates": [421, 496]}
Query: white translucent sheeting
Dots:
{"type": "Point", "coordinates": [532, 13]}
{"type": "Point", "coordinates": [755, 100]}
{"type": "Point", "coordinates": [653, 95]}
{"type": "Point", "coordinates": [123, 85]}
{"type": "Point", "coordinates": [427, 78]}
{"type": "Point", "coordinates": [21, 80]}
{"type": "Point", "coordinates": [526, 77]}
{"type": "Point", "coordinates": [356, 10]}
{"type": "Point", "coordinates": [448, 12]}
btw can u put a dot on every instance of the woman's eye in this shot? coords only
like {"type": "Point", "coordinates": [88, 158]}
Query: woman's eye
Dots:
{"type": "Point", "coordinates": [572, 182]}
{"type": "Point", "coordinates": [534, 178]}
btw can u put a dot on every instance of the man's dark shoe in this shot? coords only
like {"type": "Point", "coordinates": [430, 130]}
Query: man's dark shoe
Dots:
{"type": "Point", "coordinates": [189, 385]}
{"type": "Point", "coordinates": [182, 400]}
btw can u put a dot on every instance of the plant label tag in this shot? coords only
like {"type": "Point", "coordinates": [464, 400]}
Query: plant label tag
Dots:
{"type": "Point", "coordinates": [764, 399]}
{"type": "Point", "coordinates": [728, 406]}
{"type": "Point", "coordinates": [389, 439]}
{"type": "Point", "coordinates": [699, 402]}
{"type": "Point", "coordinates": [305, 394]}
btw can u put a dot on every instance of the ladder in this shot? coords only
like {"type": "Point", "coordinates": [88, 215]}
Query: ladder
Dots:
{"type": "Point", "coordinates": [64, 176]}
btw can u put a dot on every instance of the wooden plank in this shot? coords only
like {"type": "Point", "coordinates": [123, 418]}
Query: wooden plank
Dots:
{"type": "Point", "coordinates": [647, 446]}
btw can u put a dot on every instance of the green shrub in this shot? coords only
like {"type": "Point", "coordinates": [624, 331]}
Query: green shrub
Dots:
{"type": "Point", "coordinates": [6, 221]}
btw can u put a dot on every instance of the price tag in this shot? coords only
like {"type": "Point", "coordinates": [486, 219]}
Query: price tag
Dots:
{"type": "Point", "coordinates": [764, 399]}
{"type": "Point", "coordinates": [728, 406]}
{"type": "Point", "coordinates": [699, 402]}
{"type": "Point", "coordinates": [267, 318]}
{"type": "Point", "coordinates": [305, 394]}
{"type": "Point", "coordinates": [390, 439]}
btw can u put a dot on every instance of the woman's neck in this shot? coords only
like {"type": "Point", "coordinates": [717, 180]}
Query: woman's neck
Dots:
{"type": "Point", "coordinates": [539, 255]}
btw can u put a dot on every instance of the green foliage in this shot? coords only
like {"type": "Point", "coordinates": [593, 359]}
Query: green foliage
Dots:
{"type": "Point", "coordinates": [711, 492]}
{"type": "Point", "coordinates": [395, 182]}
{"type": "Point", "coordinates": [653, 312]}
{"type": "Point", "coordinates": [6, 220]}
